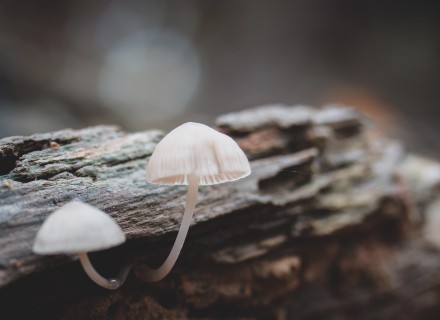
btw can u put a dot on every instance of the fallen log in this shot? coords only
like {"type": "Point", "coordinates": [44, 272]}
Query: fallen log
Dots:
{"type": "Point", "coordinates": [334, 221]}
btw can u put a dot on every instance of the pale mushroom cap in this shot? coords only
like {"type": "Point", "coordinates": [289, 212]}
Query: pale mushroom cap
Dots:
{"type": "Point", "coordinates": [77, 227]}
{"type": "Point", "coordinates": [196, 149]}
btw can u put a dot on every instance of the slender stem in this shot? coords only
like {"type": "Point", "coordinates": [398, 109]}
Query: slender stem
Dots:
{"type": "Point", "coordinates": [161, 272]}
{"type": "Point", "coordinates": [111, 284]}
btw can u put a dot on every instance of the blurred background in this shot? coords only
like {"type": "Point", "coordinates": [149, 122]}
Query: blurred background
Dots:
{"type": "Point", "coordinates": [146, 64]}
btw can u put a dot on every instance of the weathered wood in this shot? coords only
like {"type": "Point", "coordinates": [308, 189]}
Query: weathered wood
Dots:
{"type": "Point", "coordinates": [329, 214]}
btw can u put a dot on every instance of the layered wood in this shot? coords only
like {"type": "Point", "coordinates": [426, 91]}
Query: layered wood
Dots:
{"type": "Point", "coordinates": [334, 221]}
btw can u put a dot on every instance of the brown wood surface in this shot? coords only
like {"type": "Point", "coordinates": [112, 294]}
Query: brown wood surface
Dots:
{"type": "Point", "coordinates": [335, 222]}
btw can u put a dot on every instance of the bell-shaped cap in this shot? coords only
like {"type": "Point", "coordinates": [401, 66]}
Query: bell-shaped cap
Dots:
{"type": "Point", "coordinates": [77, 227]}
{"type": "Point", "coordinates": [196, 149]}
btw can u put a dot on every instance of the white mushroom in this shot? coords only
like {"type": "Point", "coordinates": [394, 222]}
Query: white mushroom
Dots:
{"type": "Point", "coordinates": [193, 154]}
{"type": "Point", "coordinates": [79, 228]}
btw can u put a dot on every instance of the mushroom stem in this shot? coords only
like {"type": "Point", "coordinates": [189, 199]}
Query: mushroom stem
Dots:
{"type": "Point", "coordinates": [191, 197]}
{"type": "Point", "coordinates": [113, 283]}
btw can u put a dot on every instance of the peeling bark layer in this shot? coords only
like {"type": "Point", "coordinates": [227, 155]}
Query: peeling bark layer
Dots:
{"type": "Point", "coordinates": [335, 221]}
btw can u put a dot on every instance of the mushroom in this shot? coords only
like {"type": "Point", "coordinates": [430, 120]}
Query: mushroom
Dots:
{"type": "Point", "coordinates": [79, 228]}
{"type": "Point", "coordinates": [192, 154]}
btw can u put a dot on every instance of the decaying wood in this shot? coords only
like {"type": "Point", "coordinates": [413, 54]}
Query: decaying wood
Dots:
{"type": "Point", "coordinates": [335, 221]}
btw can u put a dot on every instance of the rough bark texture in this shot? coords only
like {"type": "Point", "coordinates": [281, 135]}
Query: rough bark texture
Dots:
{"type": "Point", "coordinates": [335, 222]}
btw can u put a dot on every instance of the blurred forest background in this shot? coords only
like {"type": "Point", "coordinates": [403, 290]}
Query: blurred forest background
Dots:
{"type": "Point", "coordinates": [146, 64]}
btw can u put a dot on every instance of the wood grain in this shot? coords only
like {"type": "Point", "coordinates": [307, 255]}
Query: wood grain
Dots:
{"type": "Point", "coordinates": [332, 212]}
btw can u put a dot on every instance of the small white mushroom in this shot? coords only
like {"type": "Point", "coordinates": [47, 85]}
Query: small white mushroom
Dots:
{"type": "Point", "coordinates": [79, 228]}
{"type": "Point", "coordinates": [193, 154]}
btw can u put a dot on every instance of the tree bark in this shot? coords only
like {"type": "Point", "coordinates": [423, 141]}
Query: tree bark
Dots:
{"type": "Point", "coordinates": [335, 222]}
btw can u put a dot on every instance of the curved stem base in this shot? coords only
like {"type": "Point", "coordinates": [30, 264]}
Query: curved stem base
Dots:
{"type": "Point", "coordinates": [113, 283]}
{"type": "Point", "coordinates": [152, 275]}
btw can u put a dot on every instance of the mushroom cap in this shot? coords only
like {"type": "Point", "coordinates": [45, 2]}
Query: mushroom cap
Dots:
{"type": "Point", "coordinates": [77, 227]}
{"type": "Point", "coordinates": [196, 149]}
